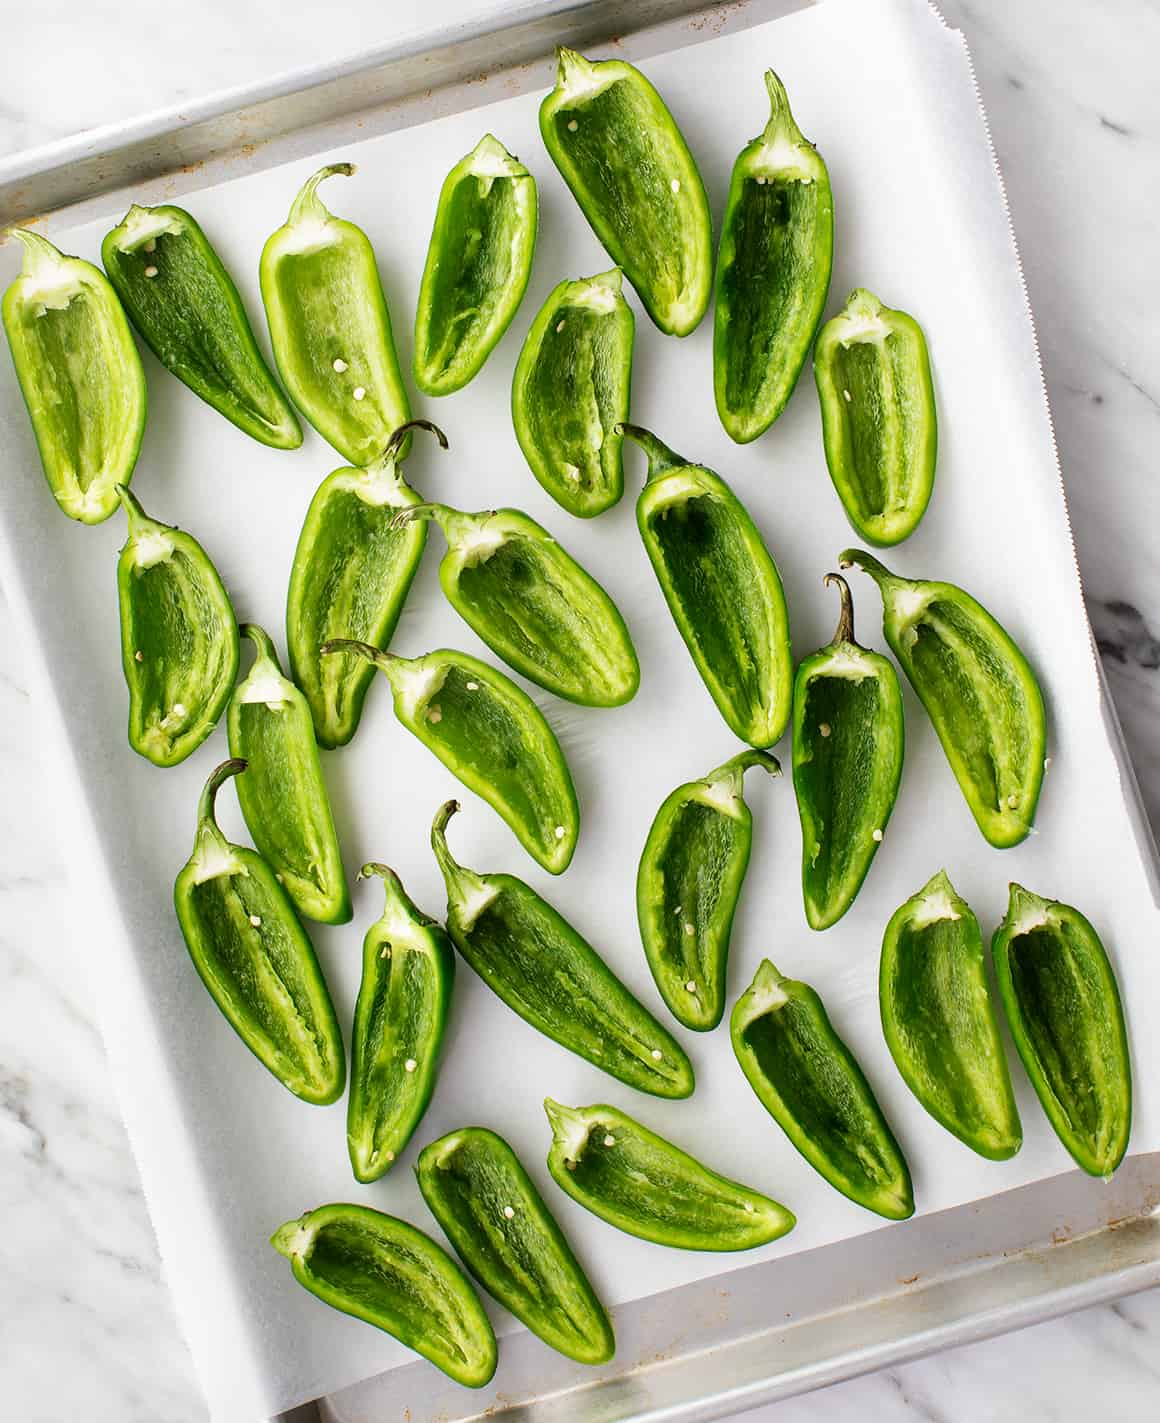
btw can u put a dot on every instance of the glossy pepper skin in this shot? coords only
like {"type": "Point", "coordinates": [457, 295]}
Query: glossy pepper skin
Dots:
{"type": "Point", "coordinates": [330, 327]}
{"type": "Point", "coordinates": [478, 263]}
{"type": "Point", "coordinates": [1062, 1003]}
{"type": "Point", "coordinates": [978, 690]}
{"type": "Point", "coordinates": [939, 1024]}
{"type": "Point", "coordinates": [773, 271]}
{"type": "Point", "coordinates": [255, 959]}
{"type": "Point", "coordinates": [879, 425]}
{"type": "Point", "coordinates": [534, 960]}
{"type": "Point", "coordinates": [688, 885]}
{"type": "Point", "coordinates": [809, 1082]}
{"type": "Point", "coordinates": [848, 740]}
{"type": "Point", "coordinates": [620, 151]}
{"type": "Point", "coordinates": [490, 735]}
{"type": "Point", "coordinates": [352, 570]}
{"type": "Point", "coordinates": [179, 638]}
{"type": "Point", "coordinates": [644, 1185]}
{"type": "Point", "coordinates": [408, 973]}
{"type": "Point", "coordinates": [534, 606]}
{"type": "Point", "coordinates": [385, 1272]}
{"type": "Point", "coordinates": [80, 376]}
{"type": "Point", "coordinates": [184, 303]}
{"type": "Point", "coordinates": [502, 1230]}
{"type": "Point", "coordinates": [570, 392]}
{"type": "Point", "coordinates": [722, 587]}
{"type": "Point", "coordinates": [283, 793]}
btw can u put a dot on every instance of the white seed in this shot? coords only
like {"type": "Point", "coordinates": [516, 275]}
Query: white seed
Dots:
{"type": "Point", "coordinates": [508, 1212]}
{"type": "Point", "coordinates": [761, 182]}
{"type": "Point", "coordinates": [255, 920]}
{"type": "Point", "coordinates": [656, 1054]}
{"type": "Point", "coordinates": [179, 709]}
{"type": "Point", "coordinates": [846, 394]}
{"type": "Point", "coordinates": [360, 392]}
{"type": "Point", "coordinates": [559, 327]}
{"type": "Point", "coordinates": [139, 656]}
{"type": "Point", "coordinates": [749, 1207]}
{"type": "Point", "coordinates": [390, 1155]}
{"type": "Point", "coordinates": [384, 951]}
{"type": "Point", "coordinates": [572, 126]}
{"type": "Point", "coordinates": [435, 713]}
{"type": "Point", "coordinates": [150, 271]}
{"type": "Point", "coordinates": [560, 832]}
{"type": "Point", "coordinates": [609, 1141]}
{"type": "Point", "coordinates": [877, 835]}
{"type": "Point", "coordinates": [824, 729]}
{"type": "Point", "coordinates": [339, 364]}
{"type": "Point", "coordinates": [151, 245]}
{"type": "Point", "coordinates": [410, 1065]}
{"type": "Point", "coordinates": [1012, 801]}
{"type": "Point", "coordinates": [675, 185]}
{"type": "Point", "coordinates": [473, 686]}
{"type": "Point", "coordinates": [689, 929]}
{"type": "Point", "coordinates": [691, 986]}
{"type": "Point", "coordinates": [279, 878]}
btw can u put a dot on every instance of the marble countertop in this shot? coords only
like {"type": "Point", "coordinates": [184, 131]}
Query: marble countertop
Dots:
{"type": "Point", "coordinates": [85, 1318]}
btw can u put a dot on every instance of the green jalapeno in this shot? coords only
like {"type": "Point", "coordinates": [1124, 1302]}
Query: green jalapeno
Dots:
{"type": "Point", "coordinates": [503, 1232]}
{"type": "Point", "coordinates": [330, 327]}
{"type": "Point", "coordinates": [182, 300]}
{"type": "Point", "coordinates": [688, 885]}
{"type": "Point", "coordinates": [773, 271]}
{"type": "Point", "coordinates": [385, 1272]}
{"type": "Point", "coordinates": [253, 955]}
{"type": "Point", "coordinates": [848, 738]}
{"type": "Point", "coordinates": [620, 151]}
{"type": "Point", "coordinates": [809, 1082]}
{"type": "Point", "coordinates": [879, 424]}
{"type": "Point", "coordinates": [179, 638]}
{"type": "Point", "coordinates": [722, 587]}
{"type": "Point", "coordinates": [646, 1186]}
{"type": "Point", "coordinates": [80, 376]}
{"type": "Point", "coordinates": [532, 603]}
{"type": "Point", "coordinates": [1059, 992]}
{"type": "Point", "coordinates": [491, 736]}
{"type": "Point", "coordinates": [407, 976]}
{"type": "Point", "coordinates": [939, 1024]}
{"type": "Point", "coordinates": [352, 570]}
{"type": "Point", "coordinates": [534, 960]}
{"type": "Point", "coordinates": [477, 269]}
{"type": "Point", "coordinates": [283, 793]}
{"type": "Point", "coordinates": [570, 391]}
{"type": "Point", "coordinates": [978, 690]}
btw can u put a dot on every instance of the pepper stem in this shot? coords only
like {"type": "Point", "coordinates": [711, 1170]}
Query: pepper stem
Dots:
{"type": "Point", "coordinates": [442, 514]}
{"type": "Point", "coordinates": [729, 776]}
{"type": "Point", "coordinates": [463, 885]}
{"type": "Point", "coordinates": [136, 515]}
{"type": "Point", "coordinates": [217, 778]}
{"type": "Point", "coordinates": [399, 911]}
{"type": "Point", "coordinates": [366, 650]}
{"type": "Point", "coordinates": [660, 458]}
{"type": "Point", "coordinates": [569, 1128]}
{"type": "Point", "coordinates": [39, 253]}
{"type": "Point", "coordinates": [859, 558]}
{"type": "Point", "coordinates": [308, 206]}
{"type": "Point", "coordinates": [263, 644]}
{"type": "Point", "coordinates": [398, 437]}
{"type": "Point", "coordinates": [845, 629]}
{"type": "Point", "coordinates": [782, 123]}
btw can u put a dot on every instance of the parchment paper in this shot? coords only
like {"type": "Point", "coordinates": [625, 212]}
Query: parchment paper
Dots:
{"type": "Point", "coordinates": [226, 1153]}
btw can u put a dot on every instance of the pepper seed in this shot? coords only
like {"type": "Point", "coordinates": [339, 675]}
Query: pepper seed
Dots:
{"type": "Point", "coordinates": [749, 1207]}
{"type": "Point", "coordinates": [434, 714]}
{"type": "Point", "coordinates": [390, 1155]}
{"type": "Point", "coordinates": [410, 1065]}
{"type": "Point", "coordinates": [824, 729]}
{"type": "Point", "coordinates": [691, 986]}
{"type": "Point", "coordinates": [675, 185]}
{"type": "Point", "coordinates": [150, 271]}
{"type": "Point", "coordinates": [609, 1141]}
{"type": "Point", "coordinates": [656, 1054]}
{"type": "Point", "coordinates": [877, 835]}
{"type": "Point", "coordinates": [761, 182]}
{"type": "Point", "coordinates": [1012, 801]}
{"type": "Point", "coordinates": [179, 709]}
{"type": "Point", "coordinates": [360, 392]}
{"type": "Point", "coordinates": [508, 1212]}
{"type": "Point", "coordinates": [255, 920]}
{"type": "Point", "coordinates": [846, 395]}
{"type": "Point", "coordinates": [573, 126]}
{"type": "Point", "coordinates": [473, 686]}
{"type": "Point", "coordinates": [384, 951]}
{"type": "Point", "coordinates": [559, 832]}
{"type": "Point", "coordinates": [559, 327]}
{"type": "Point", "coordinates": [139, 656]}
{"type": "Point", "coordinates": [151, 245]}
{"type": "Point", "coordinates": [339, 364]}
{"type": "Point", "coordinates": [689, 929]}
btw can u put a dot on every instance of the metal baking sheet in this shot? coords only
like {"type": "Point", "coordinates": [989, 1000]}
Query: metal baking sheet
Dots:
{"type": "Point", "coordinates": [694, 1350]}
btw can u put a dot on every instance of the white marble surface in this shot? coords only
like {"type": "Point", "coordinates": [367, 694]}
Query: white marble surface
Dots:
{"type": "Point", "coordinates": [86, 1327]}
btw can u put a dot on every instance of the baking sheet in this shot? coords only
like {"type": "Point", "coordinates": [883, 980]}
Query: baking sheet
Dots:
{"type": "Point", "coordinates": [226, 1154]}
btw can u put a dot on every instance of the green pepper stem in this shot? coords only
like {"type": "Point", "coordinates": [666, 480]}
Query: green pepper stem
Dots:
{"type": "Point", "coordinates": [136, 515]}
{"type": "Point", "coordinates": [442, 514]}
{"type": "Point", "coordinates": [366, 650]}
{"type": "Point", "coordinates": [734, 769]}
{"type": "Point", "coordinates": [571, 65]}
{"type": "Point", "coordinates": [39, 253]}
{"type": "Point", "coordinates": [218, 777]}
{"type": "Point", "coordinates": [461, 882]}
{"type": "Point", "coordinates": [660, 458]}
{"type": "Point", "coordinates": [263, 644]}
{"type": "Point", "coordinates": [859, 558]}
{"type": "Point", "coordinates": [308, 206]}
{"type": "Point", "coordinates": [391, 453]}
{"type": "Point", "coordinates": [845, 629]}
{"type": "Point", "coordinates": [782, 123]}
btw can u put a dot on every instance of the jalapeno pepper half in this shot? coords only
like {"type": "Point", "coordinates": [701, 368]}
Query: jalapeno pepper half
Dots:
{"type": "Point", "coordinates": [492, 736]}
{"type": "Point", "coordinates": [330, 327]}
{"type": "Point", "coordinates": [353, 567]}
{"type": "Point", "coordinates": [809, 1082]}
{"type": "Point", "coordinates": [184, 303]}
{"type": "Point", "coordinates": [283, 793]}
{"type": "Point", "coordinates": [407, 976]}
{"type": "Point", "coordinates": [477, 269]}
{"type": "Point", "coordinates": [646, 1186]}
{"type": "Point", "coordinates": [254, 957]}
{"type": "Point", "coordinates": [80, 376]}
{"type": "Point", "coordinates": [383, 1271]}
{"type": "Point", "coordinates": [878, 416]}
{"type": "Point", "coordinates": [978, 690]}
{"type": "Point", "coordinates": [938, 1020]}
{"type": "Point", "coordinates": [503, 1232]}
{"type": "Point", "coordinates": [570, 391]}
{"type": "Point", "coordinates": [773, 271]}
{"type": "Point", "coordinates": [688, 885]}
{"type": "Point", "coordinates": [848, 737]}
{"type": "Point", "coordinates": [534, 960]}
{"type": "Point", "coordinates": [1059, 992]}
{"type": "Point", "coordinates": [179, 639]}
{"type": "Point", "coordinates": [722, 587]}
{"type": "Point", "coordinates": [533, 604]}
{"type": "Point", "coordinates": [620, 151]}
